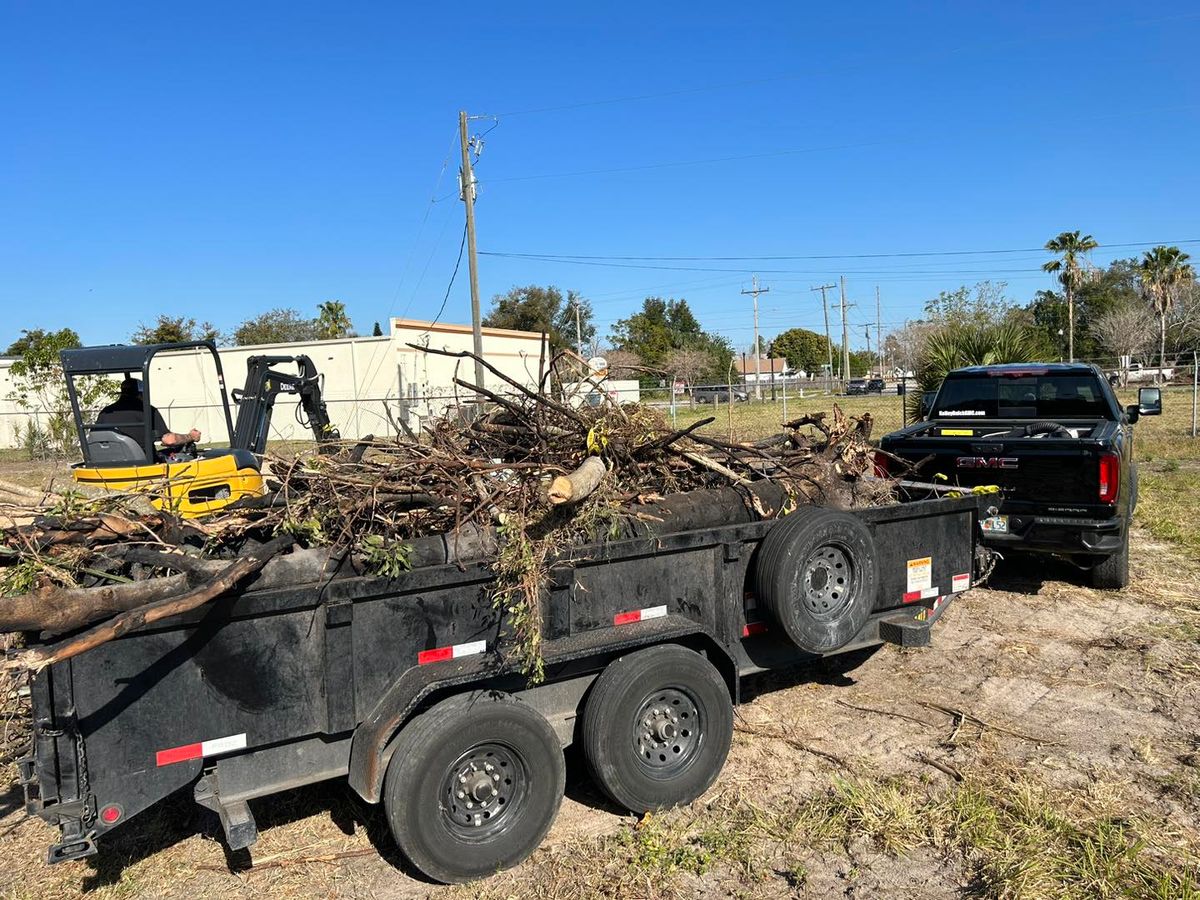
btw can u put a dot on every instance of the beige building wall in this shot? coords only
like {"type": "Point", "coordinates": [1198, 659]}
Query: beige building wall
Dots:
{"type": "Point", "coordinates": [365, 380]}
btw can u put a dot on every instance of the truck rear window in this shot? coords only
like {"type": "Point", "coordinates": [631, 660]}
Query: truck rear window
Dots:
{"type": "Point", "coordinates": [1049, 396]}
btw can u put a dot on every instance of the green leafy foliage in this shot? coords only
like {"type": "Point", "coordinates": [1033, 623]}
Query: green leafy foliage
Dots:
{"type": "Point", "coordinates": [803, 349]}
{"type": "Point", "coordinates": [984, 304]}
{"type": "Point", "coordinates": [951, 347]}
{"type": "Point", "coordinates": [1164, 273]}
{"type": "Point", "coordinates": [384, 557]}
{"type": "Point", "coordinates": [520, 582]}
{"type": "Point", "coordinates": [276, 326]}
{"type": "Point", "coordinates": [332, 321]}
{"type": "Point", "coordinates": [40, 388]}
{"type": "Point", "coordinates": [663, 327]}
{"type": "Point", "coordinates": [174, 330]}
{"type": "Point", "coordinates": [544, 310]}
{"type": "Point", "coordinates": [310, 532]}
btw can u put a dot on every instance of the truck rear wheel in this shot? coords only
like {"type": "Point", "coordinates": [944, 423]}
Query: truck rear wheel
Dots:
{"type": "Point", "coordinates": [818, 577]}
{"type": "Point", "coordinates": [657, 727]}
{"type": "Point", "coordinates": [473, 786]}
{"type": "Point", "coordinates": [1112, 572]}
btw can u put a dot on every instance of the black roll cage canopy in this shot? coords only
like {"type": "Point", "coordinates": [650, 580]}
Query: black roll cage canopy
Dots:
{"type": "Point", "coordinates": [125, 359]}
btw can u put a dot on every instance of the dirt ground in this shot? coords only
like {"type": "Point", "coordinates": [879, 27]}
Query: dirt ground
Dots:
{"type": "Point", "coordinates": [1084, 701]}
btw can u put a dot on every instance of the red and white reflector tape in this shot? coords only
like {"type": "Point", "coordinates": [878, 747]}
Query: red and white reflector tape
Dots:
{"type": "Point", "coordinates": [925, 594]}
{"type": "Point", "coordinates": [639, 615]}
{"type": "Point", "coordinates": [200, 749]}
{"type": "Point", "coordinates": [753, 628]}
{"type": "Point", "coordinates": [454, 651]}
{"type": "Point", "coordinates": [960, 582]}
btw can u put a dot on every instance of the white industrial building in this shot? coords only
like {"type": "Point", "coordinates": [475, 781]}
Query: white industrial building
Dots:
{"type": "Point", "coordinates": [366, 380]}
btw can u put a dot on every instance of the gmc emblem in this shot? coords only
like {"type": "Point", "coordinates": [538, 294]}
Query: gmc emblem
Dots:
{"type": "Point", "coordinates": [986, 462]}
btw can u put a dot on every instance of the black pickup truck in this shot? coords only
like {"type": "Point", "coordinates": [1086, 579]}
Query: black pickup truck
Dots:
{"type": "Point", "coordinates": [1057, 442]}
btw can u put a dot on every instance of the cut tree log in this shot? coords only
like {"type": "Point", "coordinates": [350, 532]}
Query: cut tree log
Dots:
{"type": "Point", "coordinates": [55, 610]}
{"type": "Point", "coordinates": [575, 486]}
{"type": "Point", "coordinates": [37, 659]}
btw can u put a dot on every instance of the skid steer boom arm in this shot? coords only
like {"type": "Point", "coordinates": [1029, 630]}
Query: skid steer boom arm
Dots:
{"type": "Point", "coordinates": [256, 401]}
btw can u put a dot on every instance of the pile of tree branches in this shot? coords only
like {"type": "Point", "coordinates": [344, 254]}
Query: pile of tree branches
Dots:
{"type": "Point", "coordinates": [528, 468]}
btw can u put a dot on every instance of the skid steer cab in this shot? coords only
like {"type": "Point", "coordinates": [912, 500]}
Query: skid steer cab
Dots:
{"type": "Point", "coordinates": [121, 453]}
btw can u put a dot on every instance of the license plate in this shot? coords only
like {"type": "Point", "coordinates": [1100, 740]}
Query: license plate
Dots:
{"type": "Point", "coordinates": [995, 525]}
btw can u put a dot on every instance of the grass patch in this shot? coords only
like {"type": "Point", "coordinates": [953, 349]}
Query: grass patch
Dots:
{"type": "Point", "coordinates": [1016, 837]}
{"type": "Point", "coordinates": [1166, 506]}
{"type": "Point", "coordinates": [1013, 836]}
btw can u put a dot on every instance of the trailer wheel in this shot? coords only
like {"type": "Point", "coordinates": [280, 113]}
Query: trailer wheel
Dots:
{"type": "Point", "coordinates": [818, 577]}
{"type": "Point", "coordinates": [473, 786]}
{"type": "Point", "coordinates": [657, 727]}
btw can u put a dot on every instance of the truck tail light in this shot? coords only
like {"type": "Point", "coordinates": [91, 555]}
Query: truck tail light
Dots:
{"type": "Point", "coordinates": [882, 464]}
{"type": "Point", "coordinates": [1110, 477]}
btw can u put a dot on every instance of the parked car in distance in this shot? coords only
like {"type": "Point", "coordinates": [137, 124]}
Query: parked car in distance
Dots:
{"type": "Point", "coordinates": [865, 386]}
{"type": "Point", "coordinates": [1138, 372]}
{"type": "Point", "coordinates": [719, 394]}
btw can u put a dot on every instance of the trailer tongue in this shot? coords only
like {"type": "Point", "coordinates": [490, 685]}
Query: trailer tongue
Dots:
{"type": "Point", "coordinates": [406, 686]}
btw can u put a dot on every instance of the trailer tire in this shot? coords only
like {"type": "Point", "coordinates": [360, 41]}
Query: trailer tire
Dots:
{"type": "Point", "coordinates": [514, 762]}
{"type": "Point", "coordinates": [657, 726]}
{"type": "Point", "coordinates": [817, 574]}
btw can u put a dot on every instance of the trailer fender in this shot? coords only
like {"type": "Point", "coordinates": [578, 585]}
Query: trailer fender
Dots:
{"type": "Point", "coordinates": [370, 748]}
{"type": "Point", "coordinates": [367, 761]}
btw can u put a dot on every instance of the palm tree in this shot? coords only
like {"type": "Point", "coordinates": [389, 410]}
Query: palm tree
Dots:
{"type": "Point", "coordinates": [332, 321]}
{"type": "Point", "coordinates": [953, 346]}
{"type": "Point", "coordinates": [1071, 245]}
{"type": "Point", "coordinates": [1164, 272]}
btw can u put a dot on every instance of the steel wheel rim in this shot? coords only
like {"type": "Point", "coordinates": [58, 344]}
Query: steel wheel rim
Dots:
{"type": "Point", "coordinates": [827, 581]}
{"type": "Point", "coordinates": [484, 791]}
{"type": "Point", "coordinates": [667, 733]}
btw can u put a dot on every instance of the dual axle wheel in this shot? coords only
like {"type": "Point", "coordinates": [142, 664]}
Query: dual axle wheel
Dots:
{"type": "Point", "coordinates": [475, 782]}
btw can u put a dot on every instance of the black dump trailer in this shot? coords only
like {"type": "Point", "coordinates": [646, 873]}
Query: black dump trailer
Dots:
{"type": "Point", "coordinates": [406, 687]}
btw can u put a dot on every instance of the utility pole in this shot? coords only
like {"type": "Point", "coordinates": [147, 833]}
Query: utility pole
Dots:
{"type": "Point", "coordinates": [878, 332]}
{"type": "Point", "coordinates": [867, 332]}
{"type": "Point", "coordinates": [845, 333]}
{"type": "Point", "coordinates": [825, 309]}
{"type": "Point", "coordinates": [466, 179]}
{"type": "Point", "coordinates": [756, 290]}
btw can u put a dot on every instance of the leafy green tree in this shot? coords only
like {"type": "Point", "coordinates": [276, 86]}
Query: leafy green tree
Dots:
{"type": "Point", "coordinates": [861, 363]}
{"type": "Point", "coordinates": [663, 326]}
{"type": "Point", "coordinates": [953, 346]}
{"type": "Point", "coordinates": [1072, 246]}
{"type": "Point", "coordinates": [332, 321]}
{"type": "Point", "coordinates": [658, 328]}
{"type": "Point", "coordinates": [376, 331]}
{"type": "Point", "coordinates": [1165, 274]}
{"type": "Point", "coordinates": [174, 330]}
{"type": "Point", "coordinates": [40, 388]}
{"type": "Point", "coordinates": [984, 304]}
{"type": "Point", "coordinates": [544, 310]}
{"type": "Point", "coordinates": [277, 326]}
{"type": "Point", "coordinates": [803, 349]}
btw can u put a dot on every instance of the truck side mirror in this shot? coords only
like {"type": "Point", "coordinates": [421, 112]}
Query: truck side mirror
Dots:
{"type": "Point", "coordinates": [1150, 401]}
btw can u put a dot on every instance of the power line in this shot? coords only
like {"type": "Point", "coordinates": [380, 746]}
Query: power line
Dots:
{"type": "Point", "coordinates": [831, 256]}
{"type": "Point", "coordinates": [453, 275]}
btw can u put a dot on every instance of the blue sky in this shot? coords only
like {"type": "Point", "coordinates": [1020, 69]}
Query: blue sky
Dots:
{"type": "Point", "coordinates": [221, 159]}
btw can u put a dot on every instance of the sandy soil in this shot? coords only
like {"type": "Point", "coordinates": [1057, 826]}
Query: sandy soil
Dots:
{"type": "Point", "coordinates": [1090, 691]}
